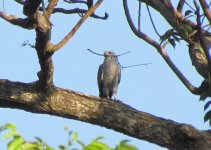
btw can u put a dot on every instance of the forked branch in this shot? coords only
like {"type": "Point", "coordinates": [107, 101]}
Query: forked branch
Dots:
{"type": "Point", "coordinates": [53, 48]}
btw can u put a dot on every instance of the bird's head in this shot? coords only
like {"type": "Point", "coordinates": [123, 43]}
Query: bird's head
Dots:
{"type": "Point", "coordinates": [109, 53]}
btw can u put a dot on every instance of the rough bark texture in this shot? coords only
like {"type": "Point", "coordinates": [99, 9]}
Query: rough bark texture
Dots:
{"type": "Point", "coordinates": [111, 114]}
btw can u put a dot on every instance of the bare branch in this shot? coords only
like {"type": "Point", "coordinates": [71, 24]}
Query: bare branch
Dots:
{"type": "Point", "coordinates": [146, 64]}
{"type": "Point", "coordinates": [95, 52]}
{"type": "Point", "coordinates": [75, 1]}
{"type": "Point", "coordinates": [162, 52]}
{"type": "Point", "coordinates": [111, 114]}
{"type": "Point", "coordinates": [53, 48]}
{"type": "Point", "coordinates": [24, 23]}
{"type": "Point", "coordinates": [79, 11]}
{"type": "Point", "coordinates": [139, 16]}
{"type": "Point", "coordinates": [180, 5]}
{"type": "Point", "coordinates": [206, 9]}
{"type": "Point", "coordinates": [150, 16]}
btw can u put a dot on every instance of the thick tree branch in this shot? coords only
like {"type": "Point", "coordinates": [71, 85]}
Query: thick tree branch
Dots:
{"type": "Point", "coordinates": [53, 48]}
{"type": "Point", "coordinates": [161, 51]}
{"type": "Point", "coordinates": [24, 23]}
{"type": "Point", "coordinates": [180, 5]}
{"type": "Point", "coordinates": [111, 114]}
{"type": "Point", "coordinates": [51, 7]}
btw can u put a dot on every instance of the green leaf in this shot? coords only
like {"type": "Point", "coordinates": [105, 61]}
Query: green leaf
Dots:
{"type": "Point", "coordinates": [81, 144]}
{"type": "Point", "coordinates": [207, 116]}
{"type": "Point", "coordinates": [176, 38]}
{"type": "Point", "coordinates": [97, 145]}
{"type": "Point", "coordinates": [16, 143]}
{"type": "Point", "coordinates": [207, 105]}
{"type": "Point", "coordinates": [39, 140]}
{"type": "Point", "coordinates": [30, 146]}
{"type": "Point", "coordinates": [62, 147]}
{"type": "Point", "coordinates": [10, 126]}
{"type": "Point", "coordinates": [10, 134]}
{"type": "Point", "coordinates": [172, 42]}
{"type": "Point", "coordinates": [74, 136]}
{"type": "Point", "coordinates": [98, 138]}
{"type": "Point", "coordinates": [188, 12]}
{"type": "Point", "coordinates": [166, 35]}
{"type": "Point", "coordinates": [123, 145]}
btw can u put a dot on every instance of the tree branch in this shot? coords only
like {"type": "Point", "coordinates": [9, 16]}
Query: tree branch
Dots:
{"type": "Point", "coordinates": [180, 5]}
{"type": "Point", "coordinates": [111, 114]}
{"type": "Point", "coordinates": [24, 23]}
{"type": "Point", "coordinates": [206, 9]}
{"type": "Point", "coordinates": [53, 48]}
{"type": "Point", "coordinates": [161, 51]}
{"type": "Point", "coordinates": [79, 11]}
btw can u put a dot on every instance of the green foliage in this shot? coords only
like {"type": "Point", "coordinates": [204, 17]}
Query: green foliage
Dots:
{"type": "Point", "coordinates": [171, 36]}
{"type": "Point", "coordinates": [207, 109]}
{"type": "Point", "coordinates": [123, 145]}
{"type": "Point", "coordinates": [17, 142]}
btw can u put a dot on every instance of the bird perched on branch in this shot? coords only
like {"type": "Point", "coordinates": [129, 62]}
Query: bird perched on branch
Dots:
{"type": "Point", "coordinates": [109, 75]}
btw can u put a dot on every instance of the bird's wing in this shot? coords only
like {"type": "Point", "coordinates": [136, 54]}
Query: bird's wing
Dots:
{"type": "Point", "coordinates": [100, 79]}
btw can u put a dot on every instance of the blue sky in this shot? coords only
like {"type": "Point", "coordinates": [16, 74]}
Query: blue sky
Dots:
{"type": "Point", "coordinates": [154, 89]}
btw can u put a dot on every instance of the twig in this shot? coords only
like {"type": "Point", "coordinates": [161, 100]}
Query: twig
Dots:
{"type": "Point", "coordinates": [189, 5]}
{"type": "Point", "coordinates": [82, 11]}
{"type": "Point", "coordinates": [122, 54]}
{"type": "Point", "coordinates": [95, 52]}
{"type": "Point", "coordinates": [103, 54]}
{"type": "Point", "coordinates": [74, 1]}
{"type": "Point", "coordinates": [150, 16]}
{"type": "Point", "coordinates": [146, 64]}
{"type": "Point", "coordinates": [26, 43]}
{"type": "Point", "coordinates": [139, 16]}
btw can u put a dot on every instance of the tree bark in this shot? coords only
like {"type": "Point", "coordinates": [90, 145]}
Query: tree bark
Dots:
{"type": "Point", "coordinates": [112, 114]}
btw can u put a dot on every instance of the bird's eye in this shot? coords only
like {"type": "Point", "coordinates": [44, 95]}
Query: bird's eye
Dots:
{"type": "Point", "coordinates": [109, 52]}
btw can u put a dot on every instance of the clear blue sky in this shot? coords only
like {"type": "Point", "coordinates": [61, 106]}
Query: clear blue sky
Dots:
{"type": "Point", "coordinates": [154, 89]}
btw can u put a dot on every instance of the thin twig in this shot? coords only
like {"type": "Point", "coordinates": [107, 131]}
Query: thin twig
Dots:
{"type": "Point", "coordinates": [146, 64]}
{"type": "Point", "coordinates": [26, 43]}
{"type": "Point", "coordinates": [103, 54]}
{"type": "Point", "coordinates": [150, 16]}
{"type": "Point", "coordinates": [123, 54]}
{"type": "Point", "coordinates": [139, 16]}
{"type": "Point", "coordinates": [189, 5]}
{"type": "Point", "coordinates": [74, 1]}
{"type": "Point", "coordinates": [95, 52]}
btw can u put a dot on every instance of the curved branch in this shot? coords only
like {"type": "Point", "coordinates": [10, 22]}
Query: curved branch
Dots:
{"type": "Point", "coordinates": [162, 52]}
{"type": "Point", "coordinates": [53, 48]}
{"type": "Point", "coordinates": [111, 114]}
